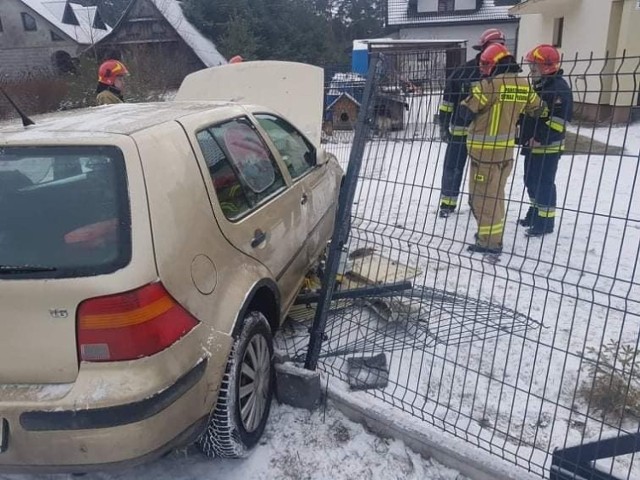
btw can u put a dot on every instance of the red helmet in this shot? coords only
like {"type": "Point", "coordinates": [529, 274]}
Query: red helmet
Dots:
{"type": "Point", "coordinates": [236, 59]}
{"type": "Point", "coordinates": [489, 37]}
{"type": "Point", "coordinates": [491, 56]}
{"type": "Point", "coordinates": [110, 70]}
{"type": "Point", "coordinates": [546, 57]}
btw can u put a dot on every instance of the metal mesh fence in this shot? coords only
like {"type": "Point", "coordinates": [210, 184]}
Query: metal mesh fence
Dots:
{"type": "Point", "coordinates": [520, 352]}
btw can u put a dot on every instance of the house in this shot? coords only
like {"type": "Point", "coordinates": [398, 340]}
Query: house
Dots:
{"type": "Point", "coordinates": [156, 38]}
{"type": "Point", "coordinates": [452, 20]}
{"type": "Point", "coordinates": [591, 30]}
{"type": "Point", "coordinates": [44, 36]}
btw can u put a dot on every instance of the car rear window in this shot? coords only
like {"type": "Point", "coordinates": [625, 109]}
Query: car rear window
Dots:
{"type": "Point", "coordinates": [64, 211]}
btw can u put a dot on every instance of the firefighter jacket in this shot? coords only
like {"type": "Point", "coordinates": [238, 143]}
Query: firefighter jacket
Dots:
{"type": "Point", "coordinates": [457, 88]}
{"type": "Point", "coordinates": [108, 95]}
{"type": "Point", "coordinates": [549, 131]}
{"type": "Point", "coordinates": [492, 110]}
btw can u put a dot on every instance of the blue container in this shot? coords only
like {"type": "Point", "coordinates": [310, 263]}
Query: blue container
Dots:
{"type": "Point", "coordinates": [360, 57]}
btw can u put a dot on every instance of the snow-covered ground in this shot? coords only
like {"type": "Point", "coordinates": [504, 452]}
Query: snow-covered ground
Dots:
{"type": "Point", "coordinates": [512, 391]}
{"type": "Point", "coordinates": [297, 445]}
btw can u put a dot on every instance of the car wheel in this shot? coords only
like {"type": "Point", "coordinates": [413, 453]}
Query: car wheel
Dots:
{"type": "Point", "coordinates": [244, 401]}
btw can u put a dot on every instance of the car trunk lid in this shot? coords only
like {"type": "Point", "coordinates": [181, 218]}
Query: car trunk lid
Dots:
{"type": "Point", "coordinates": [294, 90]}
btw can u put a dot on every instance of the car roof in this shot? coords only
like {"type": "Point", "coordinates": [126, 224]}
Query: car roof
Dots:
{"type": "Point", "coordinates": [122, 119]}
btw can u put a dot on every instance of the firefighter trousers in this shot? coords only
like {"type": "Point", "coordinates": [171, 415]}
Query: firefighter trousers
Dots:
{"type": "Point", "coordinates": [540, 179]}
{"type": "Point", "coordinates": [487, 182]}
{"type": "Point", "coordinates": [455, 159]}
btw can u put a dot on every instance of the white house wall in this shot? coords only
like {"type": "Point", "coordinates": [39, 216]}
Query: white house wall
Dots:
{"type": "Point", "coordinates": [471, 33]}
{"type": "Point", "coordinates": [592, 27]}
{"type": "Point", "coordinates": [629, 46]}
{"type": "Point", "coordinates": [630, 29]}
{"type": "Point", "coordinates": [22, 51]}
{"type": "Point", "coordinates": [586, 25]}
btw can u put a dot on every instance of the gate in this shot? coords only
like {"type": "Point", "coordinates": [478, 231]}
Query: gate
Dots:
{"type": "Point", "coordinates": [531, 356]}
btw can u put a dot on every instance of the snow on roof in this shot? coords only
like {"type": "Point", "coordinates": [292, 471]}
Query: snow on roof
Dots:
{"type": "Point", "coordinates": [490, 12]}
{"type": "Point", "coordinates": [202, 46]}
{"type": "Point", "coordinates": [53, 11]}
{"type": "Point", "coordinates": [343, 95]}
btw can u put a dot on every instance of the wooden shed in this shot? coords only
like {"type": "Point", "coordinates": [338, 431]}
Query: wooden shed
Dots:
{"type": "Point", "coordinates": [343, 112]}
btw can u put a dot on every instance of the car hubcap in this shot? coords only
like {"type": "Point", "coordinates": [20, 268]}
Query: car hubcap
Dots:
{"type": "Point", "coordinates": [255, 382]}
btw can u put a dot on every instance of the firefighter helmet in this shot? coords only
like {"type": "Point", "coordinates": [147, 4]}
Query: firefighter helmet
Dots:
{"type": "Point", "coordinates": [546, 57]}
{"type": "Point", "coordinates": [489, 37]}
{"type": "Point", "coordinates": [110, 70]}
{"type": "Point", "coordinates": [490, 57]}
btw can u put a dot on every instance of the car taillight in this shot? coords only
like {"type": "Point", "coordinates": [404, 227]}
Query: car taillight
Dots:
{"type": "Point", "coordinates": [130, 325]}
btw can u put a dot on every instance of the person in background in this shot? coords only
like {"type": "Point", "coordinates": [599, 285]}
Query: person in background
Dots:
{"type": "Point", "coordinates": [457, 88]}
{"type": "Point", "coordinates": [236, 59]}
{"type": "Point", "coordinates": [542, 139]}
{"type": "Point", "coordinates": [111, 82]}
{"type": "Point", "coordinates": [491, 113]}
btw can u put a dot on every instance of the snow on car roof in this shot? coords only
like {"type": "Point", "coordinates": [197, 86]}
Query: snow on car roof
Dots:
{"type": "Point", "coordinates": [121, 119]}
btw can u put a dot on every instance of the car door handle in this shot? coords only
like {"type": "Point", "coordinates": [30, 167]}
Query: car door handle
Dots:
{"type": "Point", "coordinates": [304, 199]}
{"type": "Point", "coordinates": [259, 238]}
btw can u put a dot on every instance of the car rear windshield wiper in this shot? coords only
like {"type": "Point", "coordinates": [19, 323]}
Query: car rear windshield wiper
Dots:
{"type": "Point", "coordinates": [10, 269]}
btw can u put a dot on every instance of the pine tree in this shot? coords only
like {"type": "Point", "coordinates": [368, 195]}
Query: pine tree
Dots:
{"type": "Point", "coordinates": [238, 38]}
{"type": "Point", "coordinates": [312, 31]}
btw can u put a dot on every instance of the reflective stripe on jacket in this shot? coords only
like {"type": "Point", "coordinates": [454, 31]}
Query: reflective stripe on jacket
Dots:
{"type": "Point", "coordinates": [495, 104]}
{"type": "Point", "coordinates": [549, 131]}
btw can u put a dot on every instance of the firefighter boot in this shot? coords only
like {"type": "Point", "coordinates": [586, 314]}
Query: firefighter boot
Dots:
{"type": "Point", "coordinates": [477, 248]}
{"type": "Point", "coordinates": [541, 226]}
{"type": "Point", "coordinates": [446, 210]}
{"type": "Point", "coordinates": [527, 221]}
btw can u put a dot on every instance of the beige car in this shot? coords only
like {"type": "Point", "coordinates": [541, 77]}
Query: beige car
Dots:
{"type": "Point", "coordinates": [147, 255]}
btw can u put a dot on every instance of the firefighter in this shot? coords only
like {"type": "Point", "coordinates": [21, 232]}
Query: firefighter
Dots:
{"type": "Point", "coordinates": [111, 82]}
{"type": "Point", "coordinates": [457, 88]}
{"type": "Point", "coordinates": [542, 139]}
{"type": "Point", "coordinates": [490, 113]}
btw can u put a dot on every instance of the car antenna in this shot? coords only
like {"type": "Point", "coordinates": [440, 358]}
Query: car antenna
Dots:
{"type": "Point", "coordinates": [26, 121]}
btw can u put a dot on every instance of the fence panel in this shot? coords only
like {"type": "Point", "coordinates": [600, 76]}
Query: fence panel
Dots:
{"type": "Point", "coordinates": [521, 353]}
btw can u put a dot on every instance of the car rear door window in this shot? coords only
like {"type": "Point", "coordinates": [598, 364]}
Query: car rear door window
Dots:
{"type": "Point", "coordinates": [243, 171]}
{"type": "Point", "coordinates": [297, 153]}
{"type": "Point", "coordinates": [64, 211]}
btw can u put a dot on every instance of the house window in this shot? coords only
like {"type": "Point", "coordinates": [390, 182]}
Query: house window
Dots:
{"type": "Point", "coordinates": [55, 37]}
{"type": "Point", "coordinates": [28, 22]}
{"type": "Point", "coordinates": [446, 5]}
{"type": "Point", "coordinates": [558, 30]}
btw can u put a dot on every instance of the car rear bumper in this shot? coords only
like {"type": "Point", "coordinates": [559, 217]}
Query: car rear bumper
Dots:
{"type": "Point", "coordinates": [116, 416]}
{"type": "Point", "coordinates": [189, 435]}
{"type": "Point", "coordinates": [109, 437]}
{"type": "Point", "coordinates": [140, 420]}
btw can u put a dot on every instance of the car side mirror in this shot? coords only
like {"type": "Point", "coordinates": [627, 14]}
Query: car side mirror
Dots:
{"type": "Point", "coordinates": [322, 156]}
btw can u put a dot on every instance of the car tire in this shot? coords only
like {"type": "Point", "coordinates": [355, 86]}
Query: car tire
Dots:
{"type": "Point", "coordinates": [241, 412]}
